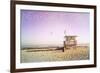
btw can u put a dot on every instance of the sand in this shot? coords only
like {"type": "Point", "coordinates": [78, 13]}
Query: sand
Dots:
{"type": "Point", "coordinates": [34, 55]}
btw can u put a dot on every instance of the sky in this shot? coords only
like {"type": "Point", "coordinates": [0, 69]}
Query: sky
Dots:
{"type": "Point", "coordinates": [41, 28]}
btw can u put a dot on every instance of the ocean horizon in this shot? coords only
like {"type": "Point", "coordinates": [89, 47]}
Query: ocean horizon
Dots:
{"type": "Point", "coordinates": [50, 46]}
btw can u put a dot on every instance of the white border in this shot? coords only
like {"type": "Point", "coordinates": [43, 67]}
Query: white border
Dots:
{"type": "Point", "coordinates": [52, 64]}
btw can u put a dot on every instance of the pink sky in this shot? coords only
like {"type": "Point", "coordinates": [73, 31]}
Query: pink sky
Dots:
{"type": "Point", "coordinates": [47, 27]}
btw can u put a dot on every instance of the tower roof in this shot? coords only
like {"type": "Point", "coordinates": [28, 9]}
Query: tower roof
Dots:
{"type": "Point", "coordinates": [70, 36]}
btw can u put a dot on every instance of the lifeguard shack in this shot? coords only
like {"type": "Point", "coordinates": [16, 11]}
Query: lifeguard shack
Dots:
{"type": "Point", "coordinates": [70, 42]}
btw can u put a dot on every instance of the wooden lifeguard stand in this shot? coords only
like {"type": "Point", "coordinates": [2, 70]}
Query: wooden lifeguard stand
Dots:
{"type": "Point", "coordinates": [70, 42]}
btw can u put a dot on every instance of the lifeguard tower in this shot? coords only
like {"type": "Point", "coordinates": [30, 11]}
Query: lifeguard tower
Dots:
{"type": "Point", "coordinates": [70, 42]}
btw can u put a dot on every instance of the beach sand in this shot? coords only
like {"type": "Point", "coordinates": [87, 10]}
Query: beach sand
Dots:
{"type": "Point", "coordinates": [44, 55]}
